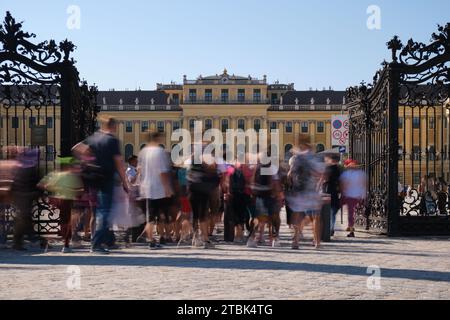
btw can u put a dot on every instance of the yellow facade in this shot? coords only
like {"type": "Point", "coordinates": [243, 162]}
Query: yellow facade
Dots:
{"type": "Point", "coordinates": [226, 98]}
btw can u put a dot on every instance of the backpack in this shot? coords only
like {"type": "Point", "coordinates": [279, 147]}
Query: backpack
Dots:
{"type": "Point", "coordinates": [237, 181]}
{"type": "Point", "coordinates": [92, 174]}
{"type": "Point", "coordinates": [262, 183]}
{"type": "Point", "coordinates": [301, 173]}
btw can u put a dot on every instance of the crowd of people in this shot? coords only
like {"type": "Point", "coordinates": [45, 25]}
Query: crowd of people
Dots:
{"type": "Point", "coordinates": [150, 199]}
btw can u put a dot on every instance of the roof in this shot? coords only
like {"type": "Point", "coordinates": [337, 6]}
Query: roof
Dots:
{"type": "Point", "coordinates": [225, 78]}
{"type": "Point", "coordinates": [132, 97]}
{"type": "Point", "coordinates": [320, 97]}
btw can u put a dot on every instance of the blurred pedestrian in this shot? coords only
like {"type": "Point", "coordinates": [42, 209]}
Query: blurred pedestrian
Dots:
{"type": "Point", "coordinates": [154, 171]}
{"type": "Point", "coordinates": [353, 187]}
{"type": "Point", "coordinates": [332, 176]}
{"type": "Point", "coordinates": [105, 147]}
{"type": "Point", "coordinates": [304, 198]}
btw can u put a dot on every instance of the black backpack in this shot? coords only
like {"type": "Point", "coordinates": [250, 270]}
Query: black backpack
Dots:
{"type": "Point", "coordinates": [302, 173]}
{"type": "Point", "coordinates": [237, 181]}
{"type": "Point", "coordinates": [262, 182]}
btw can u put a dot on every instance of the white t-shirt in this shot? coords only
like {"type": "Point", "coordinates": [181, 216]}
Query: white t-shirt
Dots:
{"type": "Point", "coordinates": [152, 161]}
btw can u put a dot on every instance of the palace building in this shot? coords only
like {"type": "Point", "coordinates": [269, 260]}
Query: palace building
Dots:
{"type": "Point", "coordinates": [224, 101]}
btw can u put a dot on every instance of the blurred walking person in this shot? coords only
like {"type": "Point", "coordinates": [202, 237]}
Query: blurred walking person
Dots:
{"type": "Point", "coordinates": [332, 176]}
{"type": "Point", "coordinates": [24, 192]}
{"type": "Point", "coordinates": [105, 147]}
{"type": "Point", "coordinates": [353, 187]}
{"type": "Point", "coordinates": [155, 171]}
{"type": "Point", "coordinates": [202, 182]}
{"type": "Point", "coordinates": [303, 197]}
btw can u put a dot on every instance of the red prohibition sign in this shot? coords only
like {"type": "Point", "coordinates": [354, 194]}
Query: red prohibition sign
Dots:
{"type": "Point", "coordinates": [337, 135]}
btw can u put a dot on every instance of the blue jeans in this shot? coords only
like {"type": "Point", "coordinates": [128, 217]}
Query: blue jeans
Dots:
{"type": "Point", "coordinates": [334, 212]}
{"type": "Point", "coordinates": [104, 204]}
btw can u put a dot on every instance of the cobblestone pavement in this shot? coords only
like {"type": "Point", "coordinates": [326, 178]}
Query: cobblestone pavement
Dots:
{"type": "Point", "coordinates": [413, 268]}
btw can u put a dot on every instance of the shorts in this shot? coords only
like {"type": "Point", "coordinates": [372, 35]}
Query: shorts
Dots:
{"type": "Point", "coordinates": [215, 202]}
{"type": "Point", "coordinates": [265, 206]}
{"type": "Point", "coordinates": [200, 206]}
{"type": "Point", "coordinates": [158, 209]}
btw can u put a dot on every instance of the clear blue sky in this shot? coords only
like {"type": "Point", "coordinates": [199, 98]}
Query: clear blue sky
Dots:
{"type": "Point", "coordinates": [137, 43]}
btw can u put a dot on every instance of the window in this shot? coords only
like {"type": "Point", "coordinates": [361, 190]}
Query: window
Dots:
{"type": "Point", "coordinates": [176, 98]}
{"type": "Point", "coordinates": [241, 95]}
{"type": "Point", "coordinates": [400, 152]}
{"type": "Point", "coordinates": [400, 123]}
{"type": "Point", "coordinates": [224, 125]}
{"type": "Point", "coordinates": [49, 123]}
{"type": "Point", "coordinates": [320, 148]}
{"type": "Point", "coordinates": [416, 178]}
{"type": "Point", "coordinates": [401, 178]}
{"type": "Point", "coordinates": [241, 124]}
{"type": "Point", "coordinates": [257, 125]}
{"type": "Point", "coordinates": [191, 124]}
{"type": "Point", "coordinates": [128, 126]}
{"type": "Point", "coordinates": [305, 127]}
{"type": "Point", "coordinates": [273, 125]}
{"type": "Point", "coordinates": [416, 153]}
{"type": "Point", "coordinates": [192, 95]}
{"type": "Point", "coordinates": [32, 122]}
{"type": "Point", "coordinates": [15, 122]}
{"type": "Point", "coordinates": [160, 126]}
{"type": "Point", "coordinates": [208, 124]}
{"type": "Point", "coordinates": [256, 95]}
{"type": "Point", "coordinates": [274, 98]}
{"type": "Point", "coordinates": [288, 152]}
{"type": "Point", "coordinates": [128, 151]}
{"type": "Point", "coordinates": [320, 127]}
{"type": "Point", "coordinates": [144, 126]}
{"type": "Point", "coordinates": [431, 123]}
{"type": "Point", "coordinates": [208, 95]}
{"type": "Point", "coordinates": [176, 125]}
{"type": "Point", "coordinates": [224, 95]}
{"type": "Point", "coordinates": [431, 153]}
{"type": "Point", "coordinates": [50, 152]}
{"type": "Point", "coordinates": [416, 123]}
{"type": "Point", "coordinates": [288, 127]}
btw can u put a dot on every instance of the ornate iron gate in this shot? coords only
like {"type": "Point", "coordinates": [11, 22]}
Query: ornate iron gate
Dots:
{"type": "Point", "coordinates": [399, 128]}
{"type": "Point", "coordinates": [42, 106]}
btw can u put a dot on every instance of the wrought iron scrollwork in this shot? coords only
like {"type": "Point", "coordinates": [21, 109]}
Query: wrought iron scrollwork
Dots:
{"type": "Point", "coordinates": [406, 106]}
{"type": "Point", "coordinates": [35, 81]}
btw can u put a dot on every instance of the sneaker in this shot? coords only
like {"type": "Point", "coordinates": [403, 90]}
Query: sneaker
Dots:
{"type": "Point", "coordinates": [77, 245]}
{"type": "Point", "coordinates": [251, 243]}
{"type": "Point", "coordinates": [208, 245]}
{"type": "Point", "coordinates": [348, 229]}
{"type": "Point", "coordinates": [162, 240]}
{"type": "Point", "coordinates": [351, 235]}
{"type": "Point", "coordinates": [154, 245]}
{"type": "Point", "coordinates": [295, 246]}
{"type": "Point", "coordinates": [246, 233]}
{"type": "Point", "coordinates": [276, 243]}
{"type": "Point", "coordinates": [332, 233]}
{"type": "Point", "coordinates": [66, 250]}
{"type": "Point", "coordinates": [99, 250]}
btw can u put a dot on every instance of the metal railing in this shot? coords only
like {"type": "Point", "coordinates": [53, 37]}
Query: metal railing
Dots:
{"type": "Point", "coordinates": [141, 108]}
{"type": "Point", "coordinates": [307, 108]}
{"type": "Point", "coordinates": [226, 101]}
